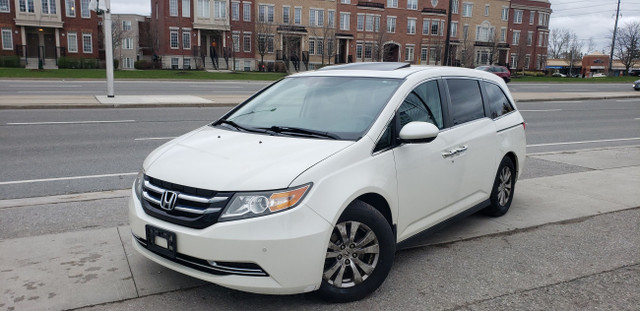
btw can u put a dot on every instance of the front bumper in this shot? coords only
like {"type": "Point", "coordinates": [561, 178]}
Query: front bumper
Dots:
{"type": "Point", "coordinates": [289, 247]}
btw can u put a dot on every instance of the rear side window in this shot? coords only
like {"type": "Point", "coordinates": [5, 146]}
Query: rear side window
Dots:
{"type": "Point", "coordinates": [498, 102]}
{"type": "Point", "coordinates": [466, 100]}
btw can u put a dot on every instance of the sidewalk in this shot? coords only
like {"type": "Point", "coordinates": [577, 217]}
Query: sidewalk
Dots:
{"type": "Point", "coordinates": [86, 266]}
{"type": "Point", "coordinates": [141, 101]}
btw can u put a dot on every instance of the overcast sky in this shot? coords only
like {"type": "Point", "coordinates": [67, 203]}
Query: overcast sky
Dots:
{"type": "Point", "coordinates": [587, 18]}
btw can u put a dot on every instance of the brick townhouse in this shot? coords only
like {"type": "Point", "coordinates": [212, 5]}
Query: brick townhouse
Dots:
{"type": "Point", "coordinates": [41, 31]}
{"type": "Point", "coordinates": [529, 34]}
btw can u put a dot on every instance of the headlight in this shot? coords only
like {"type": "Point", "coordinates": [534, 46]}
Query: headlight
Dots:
{"type": "Point", "coordinates": [137, 185]}
{"type": "Point", "coordinates": [253, 204]}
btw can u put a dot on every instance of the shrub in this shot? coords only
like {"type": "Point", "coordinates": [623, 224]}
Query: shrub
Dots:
{"type": "Point", "coordinates": [143, 64]}
{"type": "Point", "coordinates": [9, 61]}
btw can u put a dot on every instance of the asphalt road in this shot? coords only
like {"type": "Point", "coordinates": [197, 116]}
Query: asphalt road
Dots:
{"type": "Point", "coordinates": [51, 152]}
{"type": "Point", "coordinates": [161, 87]}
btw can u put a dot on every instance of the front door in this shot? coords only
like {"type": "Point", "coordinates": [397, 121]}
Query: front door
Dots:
{"type": "Point", "coordinates": [33, 44]}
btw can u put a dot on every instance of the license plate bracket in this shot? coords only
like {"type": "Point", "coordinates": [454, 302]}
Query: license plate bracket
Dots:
{"type": "Point", "coordinates": [161, 241]}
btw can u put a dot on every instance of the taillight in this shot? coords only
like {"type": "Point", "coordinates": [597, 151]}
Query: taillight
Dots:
{"type": "Point", "coordinates": [524, 126]}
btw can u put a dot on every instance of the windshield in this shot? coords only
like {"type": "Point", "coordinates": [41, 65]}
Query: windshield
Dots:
{"type": "Point", "coordinates": [320, 107]}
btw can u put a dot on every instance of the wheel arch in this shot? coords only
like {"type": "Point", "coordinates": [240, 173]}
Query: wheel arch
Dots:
{"type": "Point", "coordinates": [380, 204]}
{"type": "Point", "coordinates": [514, 158]}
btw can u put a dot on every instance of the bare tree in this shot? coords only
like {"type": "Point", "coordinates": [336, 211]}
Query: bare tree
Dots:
{"type": "Point", "coordinates": [468, 49]}
{"type": "Point", "coordinates": [264, 39]}
{"type": "Point", "coordinates": [327, 35]}
{"type": "Point", "coordinates": [573, 50]}
{"type": "Point", "coordinates": [591, 45]}
{"type": "Point", "coordinates": [117, 34]}
{"type": "Point", "coordinates": [558, 42]}
{"type": "Point", "coordinates": [627, 48]}
{"type": "Point", "coordinates": [379, 47]}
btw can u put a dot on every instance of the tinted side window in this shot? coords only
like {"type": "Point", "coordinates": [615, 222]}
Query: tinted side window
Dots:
{"type": "Point", "coordinates": [498, 102]}
{"type": "Point", "coordinates": [422, 104]}
{"type": "Point", "coordinates": [466, 100]}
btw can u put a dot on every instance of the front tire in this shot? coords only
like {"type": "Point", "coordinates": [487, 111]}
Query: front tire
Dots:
{"type": "Point", "coordinates": [503, 187]}
{"type": "Point", "coordinates": [359, 255]}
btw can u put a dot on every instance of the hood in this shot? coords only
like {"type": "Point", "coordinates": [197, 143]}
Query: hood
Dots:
{"type": "Point", "coordinates": [223, 160]}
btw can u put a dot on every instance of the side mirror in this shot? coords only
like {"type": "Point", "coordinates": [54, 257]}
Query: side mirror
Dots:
{"type": "Point", "coordinates": [419, 132]}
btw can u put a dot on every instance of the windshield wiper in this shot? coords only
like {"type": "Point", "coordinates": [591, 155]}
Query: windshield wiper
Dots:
{"type": "Point", "coordinates": [301, 132]}
{"type": "Point", "coordinates": [243, 128]}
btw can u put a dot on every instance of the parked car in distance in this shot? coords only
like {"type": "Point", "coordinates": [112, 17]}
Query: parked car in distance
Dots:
{"type": "Point", "coordinates": [636, 85]}
{"type": "Point", "coordinates": [500, 71]}
{"type": "Point", "coordinates": [559, 75]}
{"type": "Point", "coordinates": [313, 183]}
{"type": "Point", "coordinates": [599, 75]}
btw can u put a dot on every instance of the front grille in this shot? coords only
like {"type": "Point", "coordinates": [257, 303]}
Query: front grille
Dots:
{"type": "Point", "coordinates": [213, 267]}
{"type": "Point", "coordinates": [192, 207]}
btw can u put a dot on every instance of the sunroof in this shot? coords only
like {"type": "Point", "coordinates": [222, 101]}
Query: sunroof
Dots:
{"type": "Point", "coordinates": [381, 66]}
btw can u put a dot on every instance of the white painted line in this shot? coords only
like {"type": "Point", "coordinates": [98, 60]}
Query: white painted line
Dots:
{"type": "Point", "coordinates": [540, 110]}
{"type": "Point", "coordinates": [16, 182]}
{"type": "Point", "coordinates": [71, 122]}
{"type": "Point", "coordinates": [154, 138]}
{"type": "Point", "coordinates": [62, 92]}
{"type": "Point", "coordinates": [627, 100]}
{"type": "Point", "coordinates": [584, 142]}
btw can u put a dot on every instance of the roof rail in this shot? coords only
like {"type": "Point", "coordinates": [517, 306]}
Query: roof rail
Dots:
{"type": "Point", "coordinates": [380, 66]}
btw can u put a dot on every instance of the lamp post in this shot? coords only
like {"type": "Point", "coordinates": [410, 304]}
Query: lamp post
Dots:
{"type": "Point", "coordinates": [105, 10]}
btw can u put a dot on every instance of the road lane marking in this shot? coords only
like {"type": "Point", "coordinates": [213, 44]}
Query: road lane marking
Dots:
{"type": "Point", "coordinates": [627, 100]}
{"type": "Point", "coordinates": [61, 92]}
{"type": "Point", "coordinates": [540, 110]}
{"type": "Point", "coordinates": [154, 138]}
{"type": "Point", "coordinates": [584, 142]}
{"type": "Point", "coordinates": [17, 182]}
{"type": "Point", "coordinates": [71, 122]}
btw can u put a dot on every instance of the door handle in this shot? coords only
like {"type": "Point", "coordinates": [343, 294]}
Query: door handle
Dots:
{"type": "Point", "coordinates": [453, 152]}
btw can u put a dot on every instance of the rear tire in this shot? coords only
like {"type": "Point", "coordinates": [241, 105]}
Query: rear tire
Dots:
{"type": "Point", "coordinates": [503, 187]}
{"type": "Point", "coordinates": [359, 255]}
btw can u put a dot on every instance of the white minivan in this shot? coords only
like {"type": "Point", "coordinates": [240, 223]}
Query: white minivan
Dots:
{"type": "Point", "coordinates": [314, 182]}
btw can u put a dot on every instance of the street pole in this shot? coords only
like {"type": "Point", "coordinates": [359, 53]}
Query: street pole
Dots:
{"type": "Point", "coordinates": [613, 42]}
{"type": "Point", "coordinates": [108, 47]}
{"type": "Point", "coordinates": [447, 41]}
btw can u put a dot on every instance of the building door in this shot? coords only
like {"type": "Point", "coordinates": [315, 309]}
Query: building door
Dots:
{"type": "Point", "coordinates": [391, 52]}
{"type": "Point", "coordinates": [33, 44]}
{"type": "Point", "coordinates": [49, 46]}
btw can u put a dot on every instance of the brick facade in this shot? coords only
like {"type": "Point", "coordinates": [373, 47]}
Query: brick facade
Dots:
{"type": "Point", "coordinates": [528, 34]}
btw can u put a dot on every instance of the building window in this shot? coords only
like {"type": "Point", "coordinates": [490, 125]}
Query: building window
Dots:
{"type": "Point", "coordinates": [71, 8]}
{"type": "Point", "coordinates": [247, 65]}
{"type": "Point", "coordinates": [485, 33]}
{"type": "Point", "coordinates": [7, 39]}
{"type": "Point", "coordinates": [486, 10]}
{"type": "Point", "coordinates": [316, 17]}
{"type": "Point", "coordinates": [360, 22]}
{"type": "Point", "coordinates": [236, 41]}
{"type": "Point", "coordinates": [174, 62]}
{"type": "Point", "coordinates": [433, 56]}
{"type": "Point", "coordinates": [454, 29]}
{"type": "Point", "coordinates": [72, 42]}
{"type": "Point", "coordinates": [368, 23]}
{"type": "Point", "coordinates": [467, 9]}
{"type": "Point", "coordinates": [514, 61]}
{"type": "Point", "coordinates": [186, 8]}
{"type": "Point", "coordinates": [173, 39]}
{"type": "Point", "coordinates": [4, 5]}
{"type": "Point", "coordinates": [412, 4]}
{"type": "Point", "coordinates": [505, 13]}
{"type": "Point", "coordinates": [345, 21]}
{"type": "Point", "coordinates": [408, 53]}
{"type": "Point", "coordinates": [345, 1]}
{"type": "Point", "coordinates": [391, 24]}
{"type": "Point", "coordinates": [246, 44]}
{"type": "Point", "coordinates": [173, 7]}
{"type": "Point", "coordinates": [532, 16]}
{"type": "Point", "coordinates": [48, 6]}
{"type": "Point", "coordinates": [270, 44]}
{"type": "Point", "coordinates": [235, 11]}
{"type": "Point", "coordinates": [359, 51]}
{"type": "Point", "coordinates": [543, 19]}
{"type": "Point", "coordinates": [297, 16]}
{"type": "Point", "coordinates": [219, 9]}
{"type": "Point", "coordinates": [265, 13]}
{"type": "Point", "coordinates": [332, 19]}
{"type": "Point", "coordinates": [411, 26]}
{"type": "Point", "coordinates": [392, 3]}
{"type": "Point", "coordinates": [425, 26]}
{"type": "Point", "coordinates": [29, 6]}
{"type": "Point", "coordinates": [126, 25]}
{"type": "Point", "coordinates": [527, 61]}
{"type": "Point", "coordinates": [127, 63]}
{"type": "Point", "coordinates": [517, 16]}
{"type": "Point", "coordinates": [286, 15]}
{"type": "Point", "coordinates": [465, 32]}
{"type": "Point", "coordinates": [320, 47]}
{"type": "Point", "coordinates": [186, 63]}
{"type": "Point", "coordinates": [516, 37]}
{"type": "Point", "coordinates": [246, 11]}
{"type": "Point", "coordinates": [312, 46]}
{"type": "Point", "coordinates": [424, 53]}
{"type": "Point", "coordinates": [186, 39]}
{"type": "Point", "coordinates": [368, 49]}
{"type": "Point", "coordinates": [530, 38]}
{"type": "Point", "coordinates": [87, 43]}
{"type": "Point", "coordinates": [84, 9]}
{"type": "Point", "coordinates": [434, 27]}
{"type": "Point", "coordinates": [204, 8]}
{"type": "Point", "coordinates": [127, 43]}
{"type": "Point", "coordinates": [454, 6]}
{"type": "Point", "coordinates": [503, 34]}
